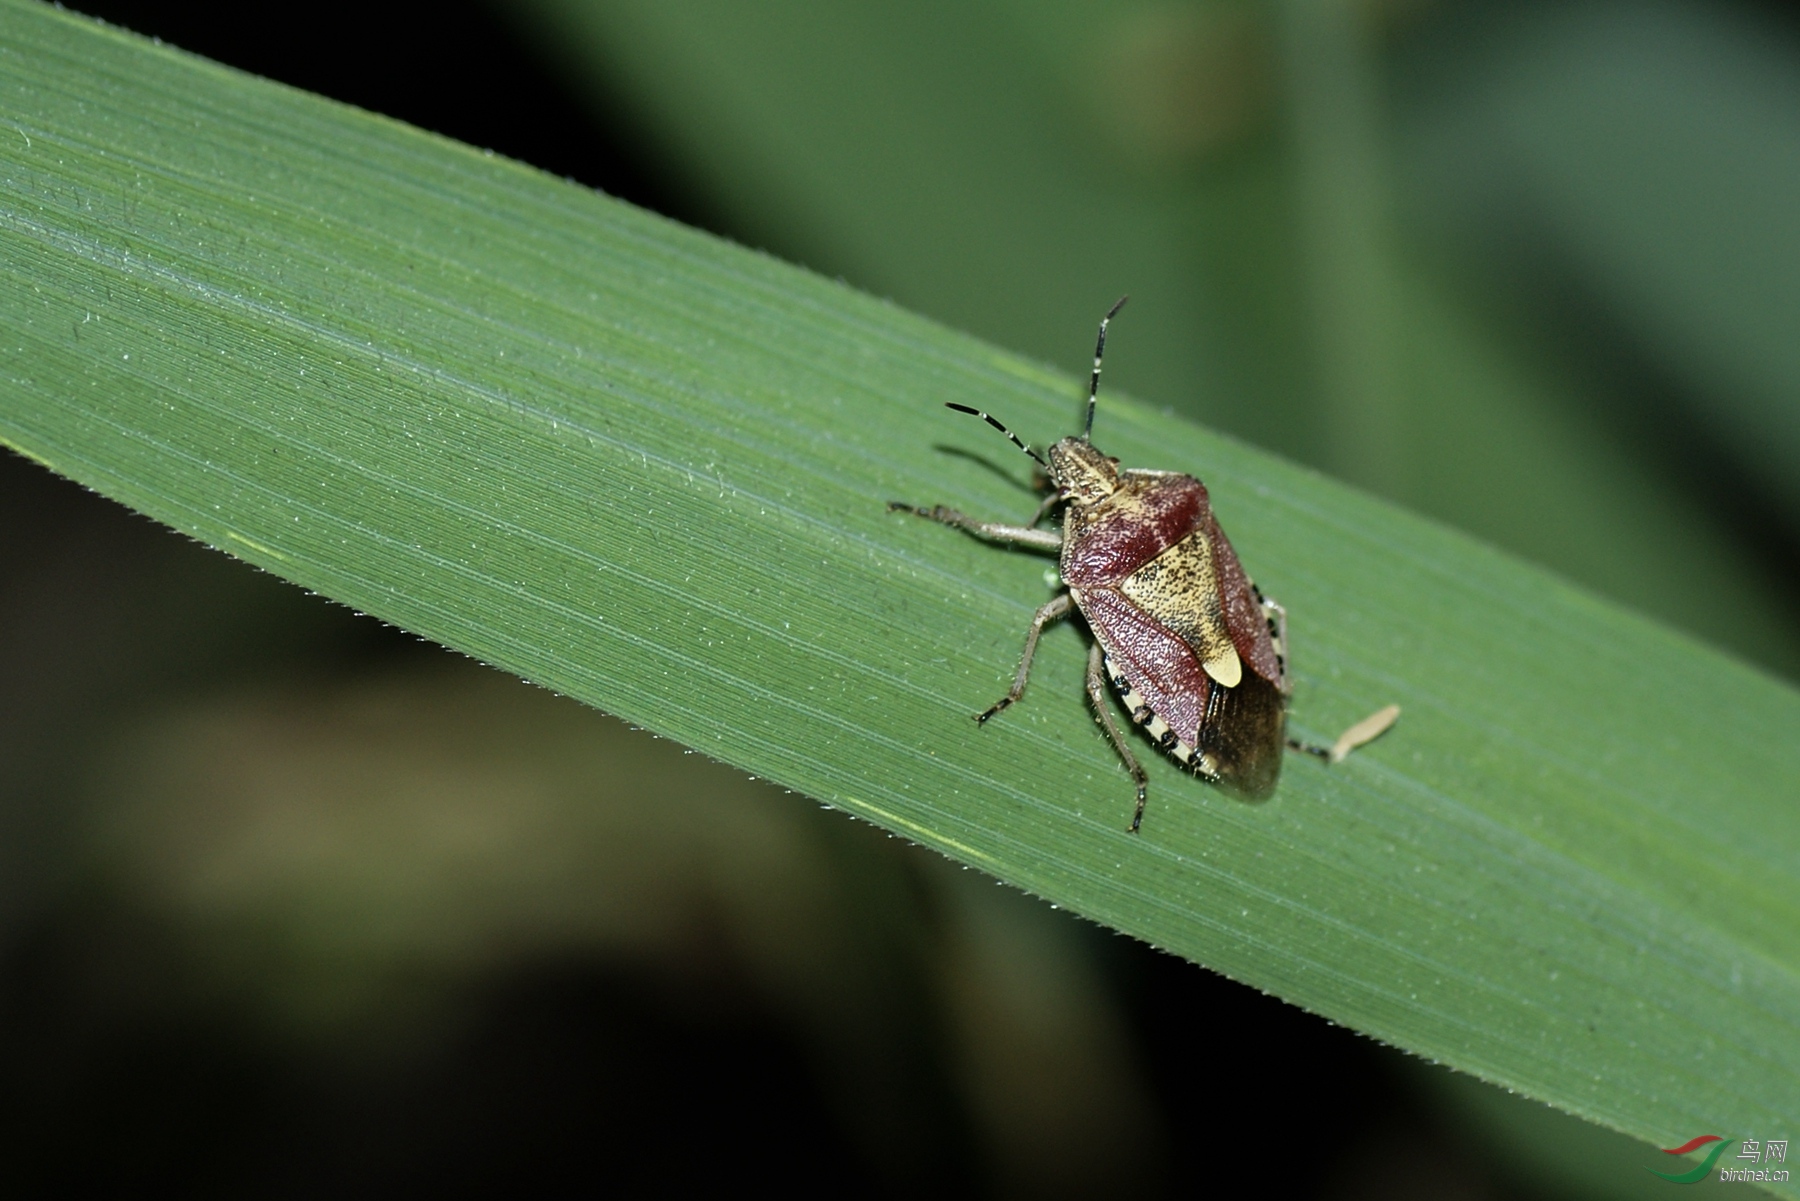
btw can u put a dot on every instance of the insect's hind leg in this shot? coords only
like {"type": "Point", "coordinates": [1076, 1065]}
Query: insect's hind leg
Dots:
{"type": "Point", "coordinates": [1096, 690]}
{"type": "Point", "coordinates": [1360, 734]}
{"type": "Point", "coordinates": [1043, 617]}
{"type": "Point", "coordinates": [1276, 617]}
{"type": "Point", "coordinates": [1310, 748]}
{"type": "Point", "coordinates": [992, 531]}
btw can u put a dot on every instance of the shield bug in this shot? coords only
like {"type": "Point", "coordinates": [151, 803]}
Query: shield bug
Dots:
{"type": "Point", "coordinates": [1197, 655]}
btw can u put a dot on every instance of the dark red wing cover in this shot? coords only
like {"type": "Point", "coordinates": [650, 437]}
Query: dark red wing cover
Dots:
{"type": "Point", "coordinates": [1244, 618]}
{"type": "Point", "coordinates": [1152, 514]}
{"type": "Point", "coordinates": [1144, 519]}
{"type": "Point", "coordinates": [1159, 664]}
{"type": "Point", "coordinates": [1246, 735]}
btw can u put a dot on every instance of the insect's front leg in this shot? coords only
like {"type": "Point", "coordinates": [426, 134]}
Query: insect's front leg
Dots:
{"type": "Point", "coordinates": [1043, 617]}
{"type": "Point", "coordinates": [992, 531]}
{"type": "Point", "coordinates": [1096, 690]}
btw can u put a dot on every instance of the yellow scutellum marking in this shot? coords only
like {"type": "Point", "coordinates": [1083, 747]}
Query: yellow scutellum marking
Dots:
{"type": "Point", "coordinates": [257, 546]}
{"type": "Point", "coordinates": [1227, 669]}
{"type": "Point", "coordinates": [1363, 732]}
{"type": "Point", "coordinates": [925, 833]}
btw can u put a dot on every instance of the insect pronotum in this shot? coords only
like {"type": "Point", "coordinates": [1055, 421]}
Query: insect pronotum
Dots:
{"type": "Point", "coordinates": [1197, 655]}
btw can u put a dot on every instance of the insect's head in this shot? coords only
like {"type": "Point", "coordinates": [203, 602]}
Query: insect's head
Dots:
{"type": "Point", "coordinates": [1081, 473]}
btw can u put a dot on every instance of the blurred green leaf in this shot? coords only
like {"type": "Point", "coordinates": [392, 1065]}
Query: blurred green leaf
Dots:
{"type": "Point", "coordinates": [1655, 149]}
{"type": "Point", "coordinates": [646, 468]}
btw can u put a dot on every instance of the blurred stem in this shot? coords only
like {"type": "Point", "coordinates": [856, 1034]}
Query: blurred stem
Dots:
{"type": "Point", "coordinates": [1342, 207]}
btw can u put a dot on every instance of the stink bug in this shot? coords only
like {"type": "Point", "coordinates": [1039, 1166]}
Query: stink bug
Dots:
{"type": "Point", "coordinates": [1196, 653]}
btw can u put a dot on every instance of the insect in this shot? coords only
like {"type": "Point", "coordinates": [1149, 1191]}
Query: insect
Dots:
{"type": "Point", "coordinates": [1196, 653]}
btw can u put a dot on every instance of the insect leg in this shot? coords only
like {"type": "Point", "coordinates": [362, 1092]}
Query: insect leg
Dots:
{"type": "Point", "coordinates": [992, 531]}
{"type": "Point", "coordinates": [1096, 690]}
{"type": "Point", "coordinates": [1361, 734]}
{"type": "Point", "coordinates": [1043, 510]}
{"type": "Point", "coordinates": [1276, 616]}
{"type": "Point", "coordinates": [1043, 617]}
{"type": "Point", "coordinates": [1310, 748]}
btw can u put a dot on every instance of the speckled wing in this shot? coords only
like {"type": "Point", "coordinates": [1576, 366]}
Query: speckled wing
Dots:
{"type": "Point", "coordinates": [1180, 589]}
{"type": "Point", "coordinates": [1157, 541]}
{"type": "Point", "coordinates": [1243, 611]}
{"type": "Point", "coordinates": [1230, 735]}
{"type": "Point", "coordinates": [1157, 664]}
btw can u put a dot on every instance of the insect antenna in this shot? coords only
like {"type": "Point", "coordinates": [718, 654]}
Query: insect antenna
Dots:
{"type": "Point", "coordinates": [1094, 383]}
{"type": "Point", "coordinates": [1015, 438]}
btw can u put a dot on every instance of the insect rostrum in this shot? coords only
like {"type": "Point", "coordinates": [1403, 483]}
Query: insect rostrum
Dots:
{"type": "Point", "coordinates": [1195, 652]}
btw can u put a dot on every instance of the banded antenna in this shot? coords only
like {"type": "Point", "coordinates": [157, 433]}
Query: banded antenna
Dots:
{"type": "Point", "coordinates": [951, 404]}
{"type": "Point", "coordinates": [1087, 431]}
